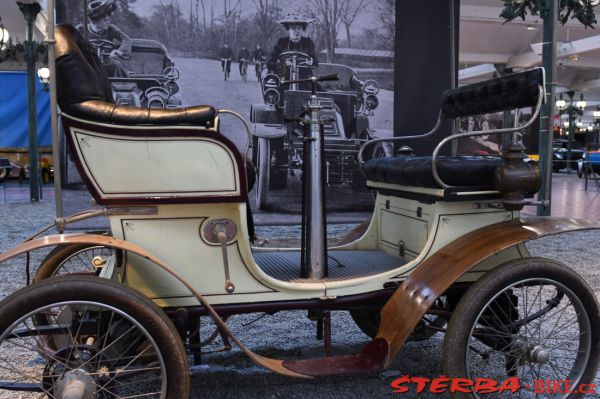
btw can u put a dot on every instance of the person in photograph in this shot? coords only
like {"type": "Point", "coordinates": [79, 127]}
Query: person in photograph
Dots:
{"type": "Point", "coordinates": [296, 25]}
{"type": "Point", "coordinates": [244, 57]}
{"type": "Point", "coordinates": [226, 54]}
{"type": "Point", "coordinates": [112, 44]}
{"type": "Point", "coordinates": [259, 58]}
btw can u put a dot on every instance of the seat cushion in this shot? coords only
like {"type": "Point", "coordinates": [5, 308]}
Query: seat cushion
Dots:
{"type": "Point", "coordinates": [417, 171]}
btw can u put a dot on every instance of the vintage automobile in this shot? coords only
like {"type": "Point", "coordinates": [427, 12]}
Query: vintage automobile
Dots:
{"type": "Point", "coordinates": [444, 251]}
{"type": "Point", "coordinates": [151, 79]}
{"type": "Point", "coordinates": [15, 165]}
{"type": "Point", "coordinates": [560, 156]}
{"type": "Point", "coordinates": [277, 129]}
{"type": "Point", "coordinates": [590, 160]}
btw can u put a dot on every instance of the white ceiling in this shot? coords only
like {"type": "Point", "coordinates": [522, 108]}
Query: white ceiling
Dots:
{"type": "Point", "coordinates": [485, 39]}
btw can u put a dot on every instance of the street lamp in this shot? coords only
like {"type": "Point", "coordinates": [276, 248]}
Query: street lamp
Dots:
{"type": "Point", "coordinates": [4, 37]}
{"type": "Point", "coordinates": [568, 108]}
{"type": "Point", "coordinates": [31, 49]}
{"type": "Point", "coordinates": [44, 76]}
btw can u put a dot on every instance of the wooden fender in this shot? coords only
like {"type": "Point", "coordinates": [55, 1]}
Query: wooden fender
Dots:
{"type": "Point", "coordinates": [406, 307]}
{"type": "Point", "coordinates": [47, 241]}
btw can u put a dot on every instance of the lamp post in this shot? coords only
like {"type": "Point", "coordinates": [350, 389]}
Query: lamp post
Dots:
{"type": "Point", "coordinates": [570, 110]}
{"type": "Point", "coordinates": [597, 125]}
{"type": "Point", "coordinates": [30, 12]}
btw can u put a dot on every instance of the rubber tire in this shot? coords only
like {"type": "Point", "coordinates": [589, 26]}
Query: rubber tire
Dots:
{"type": "Point", "coordinates": [489, 285]}
{"type": "Point", "coordinates": [139, 307]}
{"type": "Point", "coordinates": [278, 174]}
{"type": "Point", "coordinates": [263, 162]}
{"type": "Point", "coordinates": [58, 255]}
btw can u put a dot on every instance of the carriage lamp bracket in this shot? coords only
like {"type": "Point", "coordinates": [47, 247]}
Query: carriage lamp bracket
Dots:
{"type": "Point", "coordinates": [221, 231]}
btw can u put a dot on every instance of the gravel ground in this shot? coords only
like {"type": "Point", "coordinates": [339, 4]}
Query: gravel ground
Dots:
{"type": "Point", "coordinates": [285, 335]}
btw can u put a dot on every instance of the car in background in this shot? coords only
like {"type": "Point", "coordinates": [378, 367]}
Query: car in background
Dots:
{"type": "Point", "coordinates": [16, 166]}
{"type": "Point", "coordinates": [151, 79]}
{"type": "Point", "coordinates": [346, 106]}
{"type": "Point", "coordinates": [560, 155]}
{"type": "Point", "coordinates": [590, 160]}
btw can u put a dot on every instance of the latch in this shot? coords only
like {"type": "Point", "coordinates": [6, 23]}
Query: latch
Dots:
{"type": "Point", "coordinates": [221, 231]}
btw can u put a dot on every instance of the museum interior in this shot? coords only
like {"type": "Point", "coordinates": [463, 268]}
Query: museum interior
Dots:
{"type": "Point", "coordinates": [308, 198]}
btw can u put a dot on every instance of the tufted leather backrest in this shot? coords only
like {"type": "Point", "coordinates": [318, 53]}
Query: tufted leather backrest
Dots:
{"type": "Point", "coordinates": [84, 90]}
{"type": "Point", "coordinates": [517, 90]}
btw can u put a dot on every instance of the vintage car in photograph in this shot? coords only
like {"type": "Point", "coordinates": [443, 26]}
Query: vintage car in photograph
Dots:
{"type": "Point", "coordinates": [346, 105]}
{"type": "Point", "coordinates": [151, 79]}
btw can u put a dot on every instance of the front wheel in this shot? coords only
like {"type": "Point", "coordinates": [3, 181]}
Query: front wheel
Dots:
{"type": "Point", "coordinates": [529, 319]}
{"type": "Point", "coordinates": [109, 341]}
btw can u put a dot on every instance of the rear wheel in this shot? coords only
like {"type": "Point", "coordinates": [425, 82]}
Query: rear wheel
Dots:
{"type": "Point", "coordinates": [84, 259]}
{"type": "Point", "coordinates": [108, 341]}
{"type": "Point", "coordinates": [533, 319]}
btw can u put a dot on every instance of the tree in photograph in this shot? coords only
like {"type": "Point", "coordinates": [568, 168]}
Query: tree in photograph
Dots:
{"type": "Point", "coordinates": [328, 14]}
{"type": "Point", "coordinates": [230, 18]}
{"type": "Point", "coordinates": [266, 18]}
{"type": "Point", "coordinates": [387, 12]}
{"type": "Point", "coordinates": [350, 9]}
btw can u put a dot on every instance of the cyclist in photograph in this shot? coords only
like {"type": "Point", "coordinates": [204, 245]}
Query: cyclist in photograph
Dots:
{"type": "Point", "coordinates": [244, 57]}
{"type": "Point", "coordinates": [226, 54]}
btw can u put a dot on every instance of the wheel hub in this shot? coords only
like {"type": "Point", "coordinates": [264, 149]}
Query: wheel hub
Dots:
{"type": "Point", "coordinates": [76, 384]}
{"type": "Point", "coordinates": [538, 354]}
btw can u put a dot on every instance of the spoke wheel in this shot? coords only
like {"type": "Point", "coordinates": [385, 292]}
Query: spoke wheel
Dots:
{"type": "Point", "coordinates": [82, 259]}
{"type": "Point", "coordinates": [114, 343]}
{"type": "Point", "coordinates": [533, 319]}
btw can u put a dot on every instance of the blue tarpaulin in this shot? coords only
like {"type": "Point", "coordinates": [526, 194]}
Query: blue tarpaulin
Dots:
{"type": "Point", "coordinates": [14, 117]}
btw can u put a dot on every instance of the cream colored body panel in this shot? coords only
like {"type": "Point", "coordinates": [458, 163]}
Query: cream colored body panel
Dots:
{"type": "Point", "coordinates": [173, 235]}
{"type": "Point", "coordinates": [146, 166]}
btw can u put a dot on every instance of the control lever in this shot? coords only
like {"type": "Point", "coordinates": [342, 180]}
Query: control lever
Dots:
{"type": "Point", "coordinates": [221, 231]}
{"type": "Point", "coordinates": [222, 236]}
{"type": "Point", "coordinates": [313, 79]}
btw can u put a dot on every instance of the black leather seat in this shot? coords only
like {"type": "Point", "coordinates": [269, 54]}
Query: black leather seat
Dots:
{"type": "Point", "coordinates": [417, 171]}
{"type": "Point", "coordinates": [83, 90]}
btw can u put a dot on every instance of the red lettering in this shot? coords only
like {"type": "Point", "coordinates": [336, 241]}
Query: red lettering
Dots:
{"type": "Point", "coordinates": [538, 386]}
{"type": "Point", "coordinates": [421, 383]}
{"type": "Point", "coordinates": [461, 385]}
{"type": "Point", "coordinates": [557, 386]}
{"type": "Point", "coordinates": [439, 385]}
{"type": "Point", "coordinates": [569, 386]}
{"type": "Point", "coordinates": [485, 385]}
{"type": "Point", "coordinates": [398, 384]}
{"type": "Point", "coordinates": [511, 384]}
{"type": "Point", "coordinates": [592, 388]}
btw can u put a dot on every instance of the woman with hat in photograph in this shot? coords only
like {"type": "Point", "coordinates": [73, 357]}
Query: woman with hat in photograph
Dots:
{"type": "Point", "coordinates": [296, 25]}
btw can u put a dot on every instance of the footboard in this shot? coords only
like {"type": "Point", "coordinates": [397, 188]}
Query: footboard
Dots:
{"type": "Point", "coordinates": [135, 165]}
